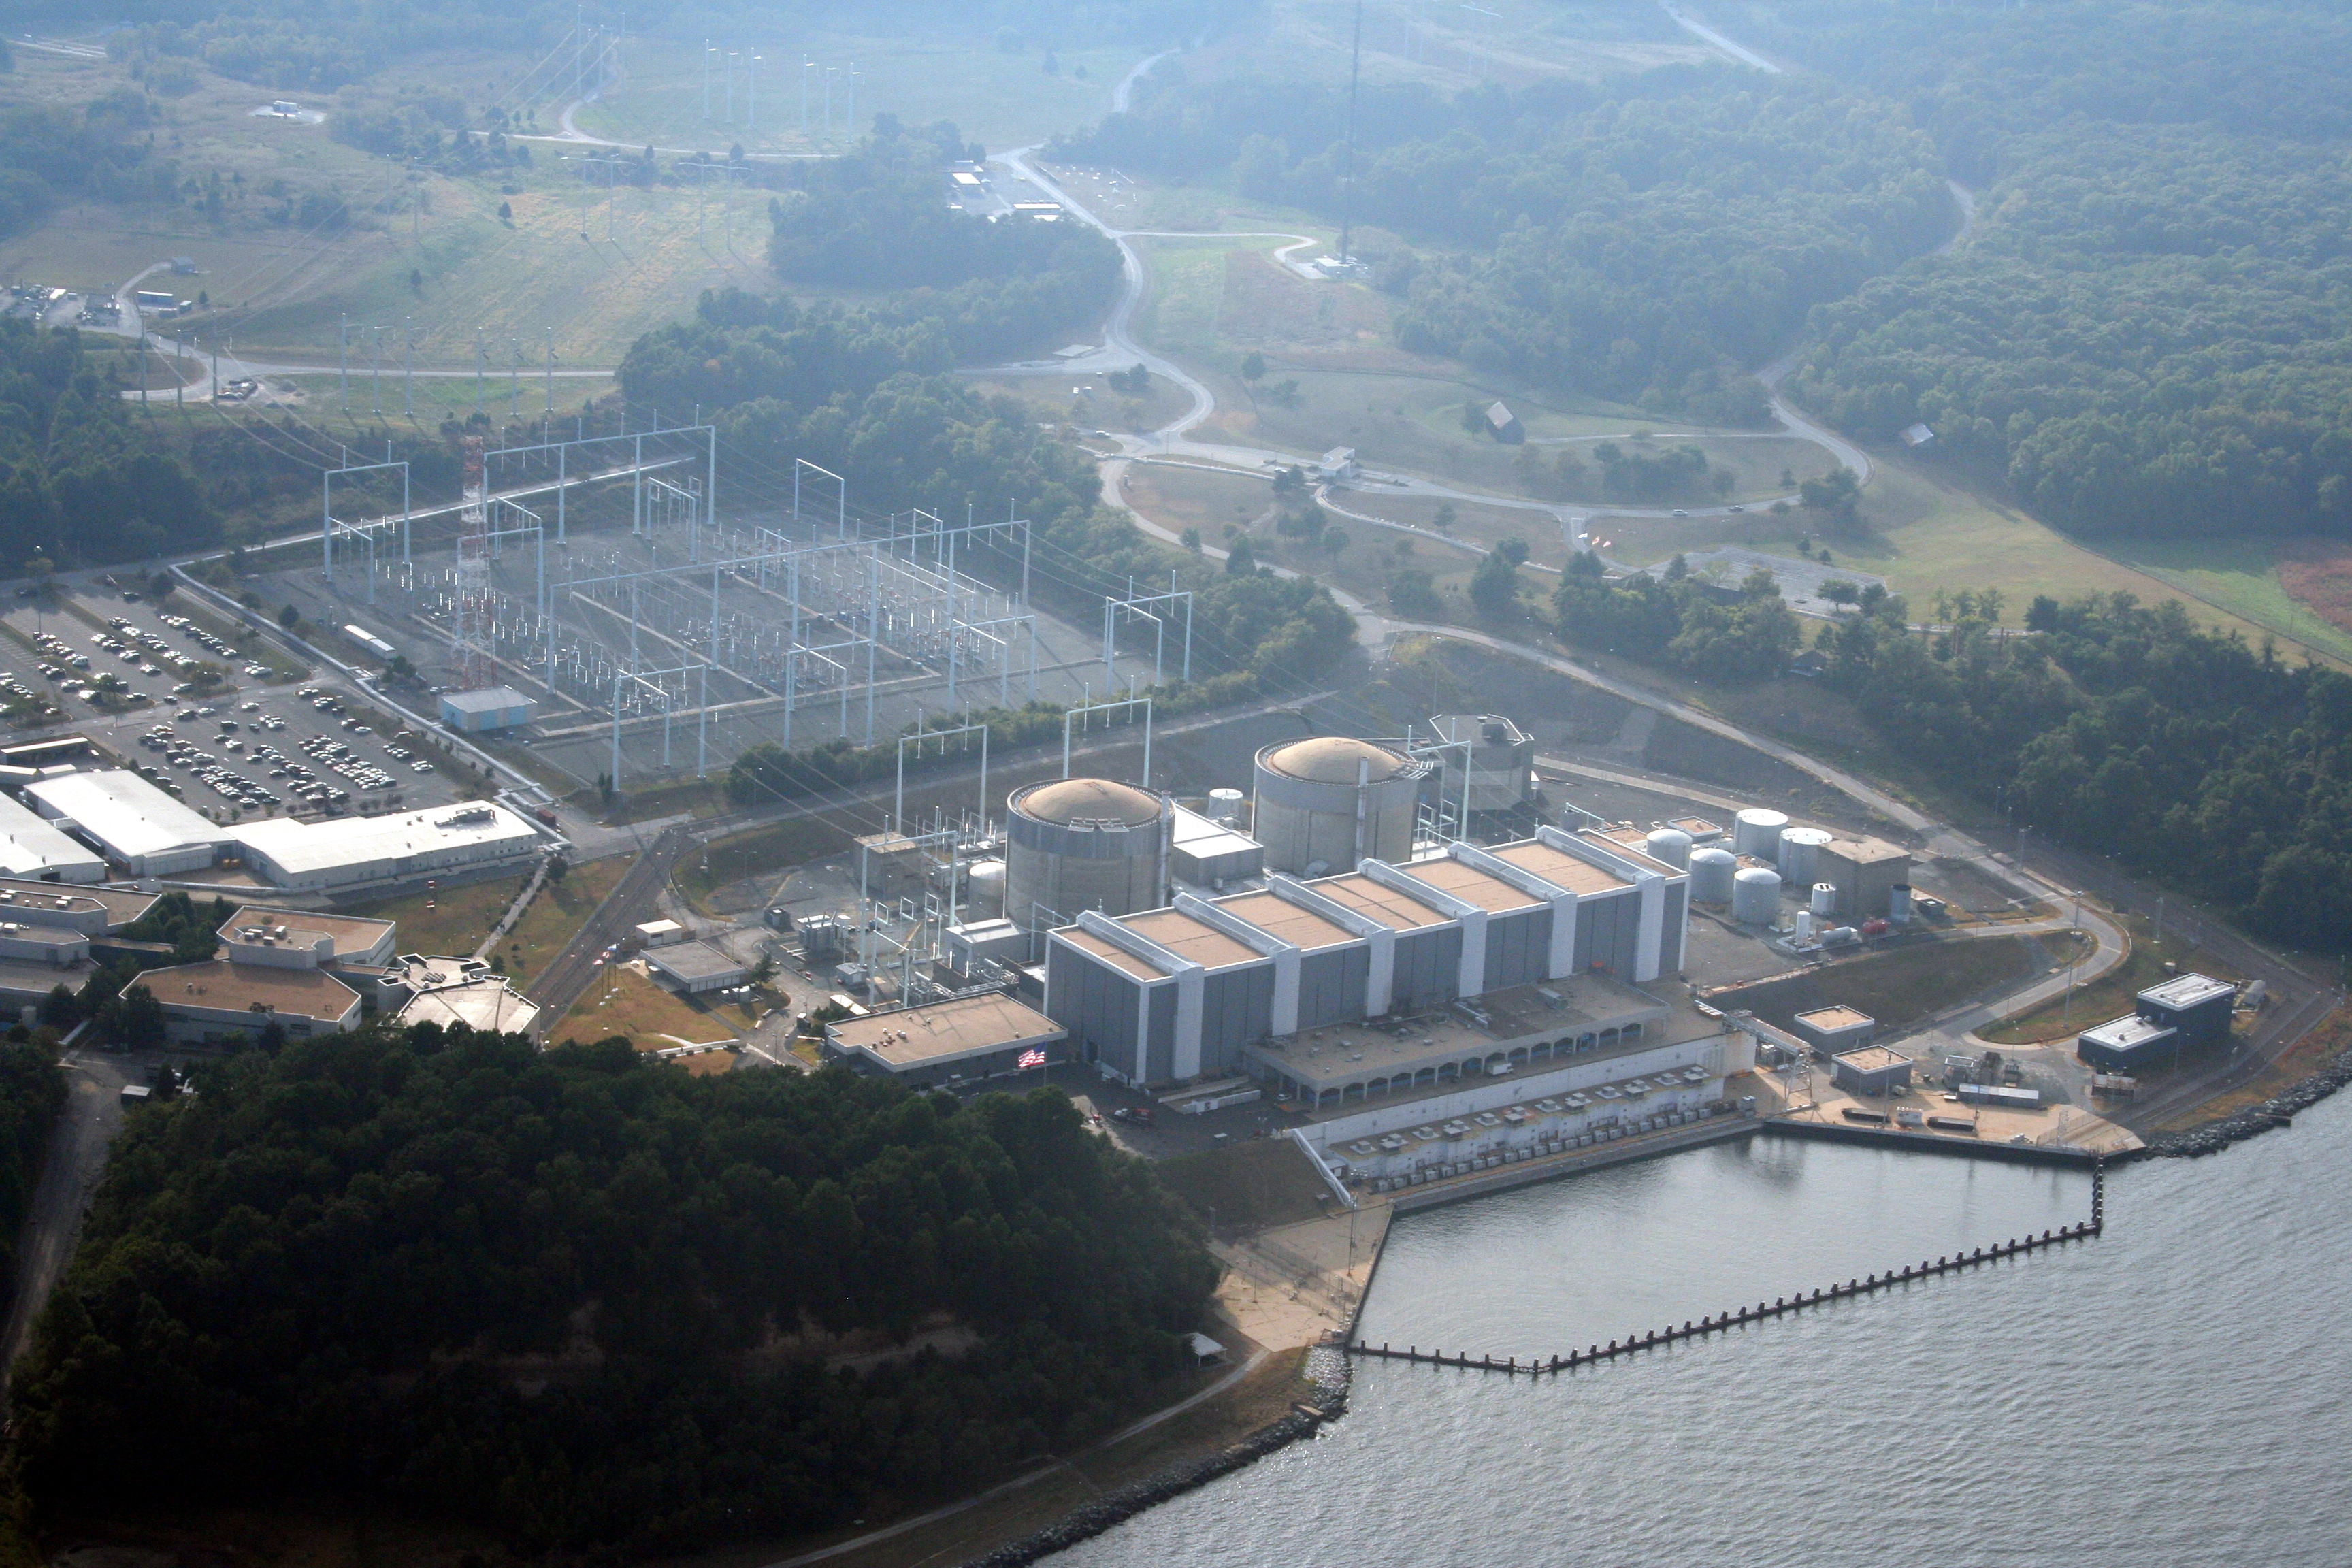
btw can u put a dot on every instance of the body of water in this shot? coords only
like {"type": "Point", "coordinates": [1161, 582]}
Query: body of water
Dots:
{"type": "Point", "coordinates": [2173, 1392]}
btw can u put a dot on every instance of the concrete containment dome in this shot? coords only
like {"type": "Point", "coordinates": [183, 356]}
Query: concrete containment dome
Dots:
{"type": "Point", "coordinates": [1333, 760]}
{"type": "Point", "coordinates": [1082, 844]}
{"type": "Point", "coordinates": [1066, 801]}
{"type": "Point", "coordinates": [1327, 803]}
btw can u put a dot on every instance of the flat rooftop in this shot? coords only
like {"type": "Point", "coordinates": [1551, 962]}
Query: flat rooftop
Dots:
{"type": "Point", "coordinates": [1278, 917]}
{"type": "Point", "coordinates": [222, 986]}
{"type": "Point", "coordinates": [969, 1026]}
{"type": "Point", "coordinates": [1397, 912]}
{"type": "Point", "coordinates": [1871, 1058]}
{"type": "Point", "coordinates": [693, 960]}
{"type": "Point", "coordinates": [1563, 869]}
{"type": "Point", "coordinates": [1838, 1018]}
{"type": "Point", "coordinates": [1586, 1003]}
{"type": "Point", "coordinates": [122, 908]}
{"type": "Point", "coordinates": [1865, 851]}
{"type": "Point", "coordinates": [1117, 957]}
{"type": "Point", "coordinates": [2187, 991]}
{"type": "Point", "coordinates": [32, 978]}
{"type": "Point", "coordinates": [2131, 1029]}
{"type": "Point", "coordinates": [1185, 937]}
{"type": "Point", "coordinates": [351, 933]}
{"type": "Point", "coordinates": [1472, 886]}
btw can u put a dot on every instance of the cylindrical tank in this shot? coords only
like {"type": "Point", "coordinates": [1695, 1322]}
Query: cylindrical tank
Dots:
{"type": "Point", "coordinates": [1824, 897]}
{"type": "Point", "coordinates": [1082, 844]}
{"type": "Point", "coordinates": [1898, 904]}
{"type": "Point", "coordinates": [1800, 852]}
{"type": "Point", "coordinates": [1710, 871]}
{"type": "Point", "coordinates": [985, 892]}
{"type": "Point", "coordinates": [1838, 934]}
{"type": "Point", "coordinates": [1756, 896]}
{"type": "Point", "coordinates": [1225, 806]}
{"type": "Point", "coordinates": [1805, 925]}
{"type": "Point", "coordinates": [1334, 799]}
{"type": "Point", "coordinates": [1671, 844]}
{"type": "Point", "coordinates": [1757, 831]}
{"type": "Point", "coordinates": [1874, 928]}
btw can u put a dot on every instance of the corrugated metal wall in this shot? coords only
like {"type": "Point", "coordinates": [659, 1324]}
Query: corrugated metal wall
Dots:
{"type": "Point", "coordinates": [1331, 986]}
{"type": "Point", "coordinates": [1519, 948]}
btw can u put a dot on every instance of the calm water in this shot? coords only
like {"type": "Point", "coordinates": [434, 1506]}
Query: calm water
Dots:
{"type": "Point", "coordinates": [2173, 1393]}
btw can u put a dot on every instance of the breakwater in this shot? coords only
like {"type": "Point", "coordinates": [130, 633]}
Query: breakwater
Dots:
{"type": "Point", "coordinates": [1327, 1372]}
{"type": "Point", "coordinates": [2279, 1111]}
{"type": "Point", "coordinates": [1779, 1306]}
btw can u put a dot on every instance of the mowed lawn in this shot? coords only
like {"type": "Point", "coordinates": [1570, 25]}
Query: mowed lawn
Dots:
{"type": "Point", "coordinates": [621, 1001]}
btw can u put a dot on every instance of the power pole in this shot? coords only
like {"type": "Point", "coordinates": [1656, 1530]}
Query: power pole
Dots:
{"type": "Point", "coordinates": [478, 367]}
{"type": "Point", "coordinates": [751, 93]}
{"type": "Point", "coordinates": [805, 64]}
{"type": "Point", "coordinates": [408, 367]}
{"type": "Point", "coordinates": [705, 81]}
{"type": "Point", "coordinates": [343, 359]}
{"type": "Point", "coordinates": [1348, 178]}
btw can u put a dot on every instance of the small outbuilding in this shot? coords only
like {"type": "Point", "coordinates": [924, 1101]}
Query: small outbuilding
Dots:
{"type": "Point", "coordinates": [1874, 1072]}
{"type": "Point", "coordinates": [691, 967]}
{"type": "Point", "coordinates": [491, 708]}
{"type": "Point", "coordinates": [2130, 1043]}
{"type": "Point", "coordinates": [1831, 1030]}
{"type": "Point", "coordinates": [1504, 426]}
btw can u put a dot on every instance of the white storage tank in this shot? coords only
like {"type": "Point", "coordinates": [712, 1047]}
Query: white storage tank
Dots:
{"type": "Point", "coordinates": [1671, 844]}
{"type": "Point", "coordinates": [984, 891]}
{"type": "Point", "coordinates": [1332, 800]}
{"type": "Point", "coordinates": [1800, 853]}
{"type": "Point", "coordinates": [1756, 896]}
{"type": "Point", "coordinates": [1898, 904]}
{"type": "Point", "coordinates": [1805, 925]}
{"type": "Point", "coordinates": [1757, 831]}
{"type": "Point", "coordinates": [1710, 872]}
{"type": "Point", "coordinates": [1083, 844]}
{"type": "Point", "coordinates": [1225, 806]}
{"type": "Point", "coordinates": [1824, 900]}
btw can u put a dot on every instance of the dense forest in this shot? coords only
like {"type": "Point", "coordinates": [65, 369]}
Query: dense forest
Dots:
{"type": "Point", "coordinates": [32, 1093]}
{"type": "Point", "coordinates": [79, 481]}
{"type": "Point", "coordinates": [587, 1299]}
{"type": "Point", "coordinates": [2193, 759]}
{"type": "Point", "coordinates": [2148, 333]}
{"type": "Point", "coordinates": [1631, 236]}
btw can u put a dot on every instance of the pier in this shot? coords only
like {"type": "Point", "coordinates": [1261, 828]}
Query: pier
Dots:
{"type": "Point", "coordinates": [1779, 1306]}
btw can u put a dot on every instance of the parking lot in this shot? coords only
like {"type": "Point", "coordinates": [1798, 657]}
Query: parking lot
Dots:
{"type": "Point", "coordinates": [250, 746]}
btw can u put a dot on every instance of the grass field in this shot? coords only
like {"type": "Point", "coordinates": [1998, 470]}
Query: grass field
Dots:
{"type": "Point", "coordinates": [1900, 988]}
{"type": "Point", "coordinates": [2247, 579]}
{"type": "Point", "coordinates": [1000, 98]}
{"type": "Point", "coordinates": [1252, 1185]}
{"type": "Point", "coordinates": [450, 921]}
{"type": "Point", "coordinates": [623, 1001]}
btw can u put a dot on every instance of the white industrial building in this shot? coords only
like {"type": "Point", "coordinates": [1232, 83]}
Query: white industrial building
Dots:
{"type": "Point", "coordinates": [346, 851]}
{"type": "Point", "coordinates": [136, 824]}
{"type": "Point", "coordinates": [36, 851]}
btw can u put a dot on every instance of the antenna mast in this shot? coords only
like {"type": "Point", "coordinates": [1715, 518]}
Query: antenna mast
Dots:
{"type": "Point", "coordinates": [1348, 178]}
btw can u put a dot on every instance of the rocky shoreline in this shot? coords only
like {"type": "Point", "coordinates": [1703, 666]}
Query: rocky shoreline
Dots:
{"type": "Point", "coordinates": [1326, 1371]}
{"type": "Point", "coordinates": [2279, 1111]}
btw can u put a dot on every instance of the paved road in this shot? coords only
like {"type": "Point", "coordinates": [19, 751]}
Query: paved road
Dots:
{"type": "Point", "coordinates": [75, 1161]}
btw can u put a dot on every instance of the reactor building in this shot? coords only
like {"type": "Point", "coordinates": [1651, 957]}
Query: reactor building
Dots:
{"type": "Point", "coordinates": [1218, 987]}
{"type": "Point", "coordinates": [1329, 802]}
{"type": "Point", "coordinates": [1083, 845]}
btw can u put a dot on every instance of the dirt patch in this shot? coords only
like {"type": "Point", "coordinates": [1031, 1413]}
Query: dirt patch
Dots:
{"type": "Point", "coordinates": [2317, 574]}
{"type": "Point", "coordinates": [1702, 756]}
{"type": "Point", "coordinates": [1901, 989]}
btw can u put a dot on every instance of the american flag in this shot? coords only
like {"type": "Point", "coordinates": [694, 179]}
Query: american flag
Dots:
{"type": "Point", "coordinates": [1032, 1059]}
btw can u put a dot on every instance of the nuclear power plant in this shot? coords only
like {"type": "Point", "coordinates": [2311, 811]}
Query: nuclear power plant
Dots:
{"type": "Point", "coordinates": [1324, 803]}
{"type": "Point", "coordinates": [1084, 843]}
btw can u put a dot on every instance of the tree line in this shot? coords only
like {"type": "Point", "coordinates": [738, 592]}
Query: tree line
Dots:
{"type": "Point", "coordinates": [588, 1301]}
{"type": "Point", "coordinates": [2195, 759]}
{"type": "Point", "coordinates": [81, 481]}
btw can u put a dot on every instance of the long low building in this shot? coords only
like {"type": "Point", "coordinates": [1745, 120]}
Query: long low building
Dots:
{"type": "Point", "coordinates": [962, 1038]}
{"type": "Point", "coordinates": [134, 824]}
{"type": "Point", "coordinates": [221, 1000]}
{"type": "Point", "coordinates": [1173, 995]}
{"type": "Point", "coordinates": [346, 851]}
{"type": "Point", "coordinates": [36, 850]}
